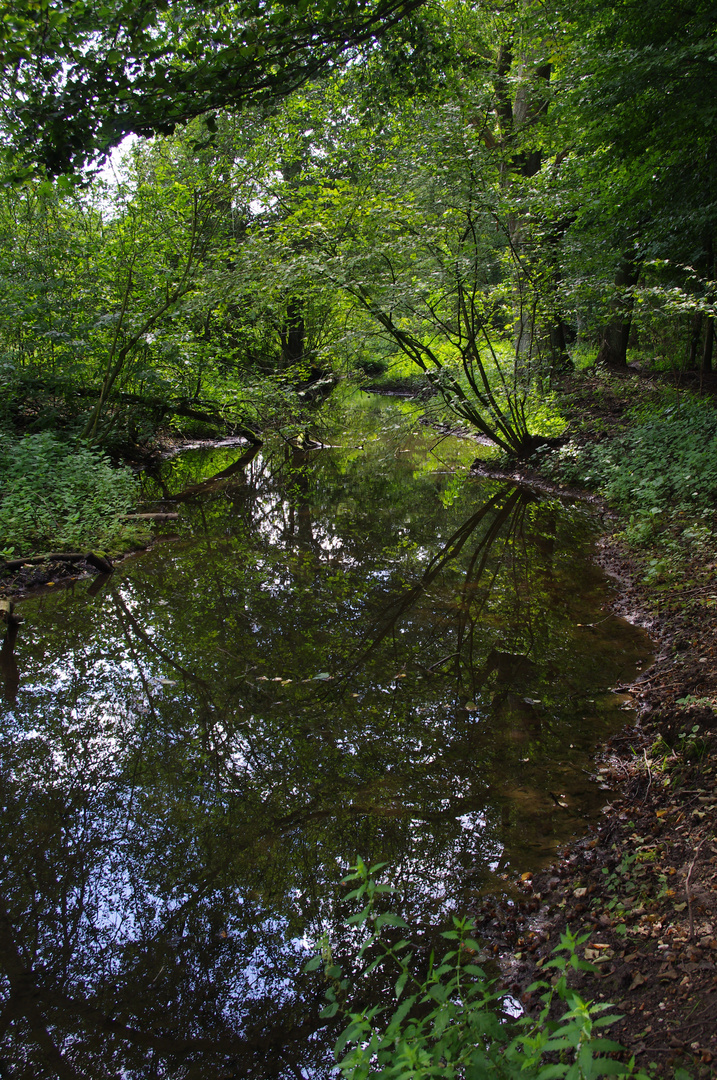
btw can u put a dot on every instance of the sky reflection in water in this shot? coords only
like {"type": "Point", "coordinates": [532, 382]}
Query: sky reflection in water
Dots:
{"type": "Point", "coordinates": [342, 652]}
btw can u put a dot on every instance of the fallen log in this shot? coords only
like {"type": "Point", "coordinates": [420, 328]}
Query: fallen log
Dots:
{"type": "Point", "coordinates": [213, 483]}
{"type": "Point", "coordinates": [98, 561]}
{"type": "Point", "coordinates": [37, 560]}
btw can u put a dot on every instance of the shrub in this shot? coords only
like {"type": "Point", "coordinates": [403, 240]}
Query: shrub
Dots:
{"type": "Point", "coordinates": [57, 496]}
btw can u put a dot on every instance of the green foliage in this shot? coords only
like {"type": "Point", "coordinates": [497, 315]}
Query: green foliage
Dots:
{"type": "Point", "coordinates": [667, 461]}
{"type": "Point", "coordinates": [284, 225]}
{"type": "Point", "coordinates": [662, 470]}
{"type": "Point", "coordinates": [450, 1021]}
{"type": "Point", "coordinates": [167, 65]}
{"type": "Point", "coordinates": [56, 496]}
{"type": "Point", "coordinates": [625, 85]}
{"type": "Point", "coordinates": [692, 746]}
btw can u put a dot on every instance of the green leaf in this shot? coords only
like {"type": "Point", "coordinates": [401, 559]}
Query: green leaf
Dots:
{"type": "Point", "coordinates": [389, 919]}
{"type": "Point", "coordinates": [359, 917]}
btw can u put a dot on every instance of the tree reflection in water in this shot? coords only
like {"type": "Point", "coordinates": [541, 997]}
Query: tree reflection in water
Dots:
{"type": "Point", "coordinates": [335, 657]}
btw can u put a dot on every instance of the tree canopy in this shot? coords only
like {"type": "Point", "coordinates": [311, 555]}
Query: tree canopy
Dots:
{"type": "Point", "coordinates": [476, 189]}
{"type": "Point", "coordinates": [79, 75]}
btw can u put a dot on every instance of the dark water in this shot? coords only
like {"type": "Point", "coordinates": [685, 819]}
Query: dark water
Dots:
{"type": "Point", "coordinates": [355, 651]}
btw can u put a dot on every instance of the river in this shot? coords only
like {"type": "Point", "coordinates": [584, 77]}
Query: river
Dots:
{"type": "Point", "coordinates": [359, 650]}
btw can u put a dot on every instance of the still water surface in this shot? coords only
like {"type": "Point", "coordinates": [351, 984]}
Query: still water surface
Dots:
{"type": "Point", "coordinates": [352, 651]}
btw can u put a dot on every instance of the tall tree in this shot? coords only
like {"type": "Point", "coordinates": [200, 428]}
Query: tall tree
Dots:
{"type": "Point", "coordinates": [638, 94]}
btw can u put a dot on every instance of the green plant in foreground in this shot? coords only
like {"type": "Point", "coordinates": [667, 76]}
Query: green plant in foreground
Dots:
{"type": "Point", "coordinates": [451, 1022]}
{"type": "Point", "coordinates": [53, 495]}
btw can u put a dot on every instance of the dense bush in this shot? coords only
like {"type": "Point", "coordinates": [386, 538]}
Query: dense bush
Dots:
{"type": "Point", "coordinates": [53, 495]}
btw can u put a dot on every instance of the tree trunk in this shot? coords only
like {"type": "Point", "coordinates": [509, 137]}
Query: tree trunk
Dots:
{"type": "Point", "coordinates": [695, 335]}
{"type": "Point", "coordinates": [292, 334]}
{"type": "Point", "coordinates": [710, 329]}
{"type": "Point", "coordinates": [709, 346]}
{"type": "Point", "coordinates": [616, 335]}
{"type": "Point", "coordinates": [516, 120]}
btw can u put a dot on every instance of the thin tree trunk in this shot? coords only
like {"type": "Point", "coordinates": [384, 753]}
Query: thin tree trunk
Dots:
{"type": "Point", "coordinates": [708, 347]}
{"type": "Point", "coordinates": [293, 333]}
{"type": "Point", "coordinates": [710, 330]}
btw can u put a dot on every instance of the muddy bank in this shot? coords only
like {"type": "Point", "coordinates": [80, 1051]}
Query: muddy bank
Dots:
{"type": "Point", "coordinates": [643, 882]}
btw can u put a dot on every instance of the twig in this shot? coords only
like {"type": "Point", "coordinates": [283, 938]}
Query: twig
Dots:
{"type": "Point", "coordinates": [649, 774]}
{"type": "Point", "coordinates": [687, 886]}
{"type": "Point", "coordinates": [703, 1018]}
{"type": "Point", "coordinates": [451, 656]}
{"type": "Point", "coordinates": [591, 625]}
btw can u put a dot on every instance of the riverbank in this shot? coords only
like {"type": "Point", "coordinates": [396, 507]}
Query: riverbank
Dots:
{"type": "Point", "coordinates": [643, 882]}
{"type": "Point", "coordinates": [130, 533]}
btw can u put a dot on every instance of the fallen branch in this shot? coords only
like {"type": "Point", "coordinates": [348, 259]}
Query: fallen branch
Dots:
{"type": "Point", "coordinates": [149, 517]}
{"type": "Point", "coordinates": [98, 561]}
{"type": "Point", "coordinates": [649, 775]}
{"type": "Point", "coordinates": [688, 894]}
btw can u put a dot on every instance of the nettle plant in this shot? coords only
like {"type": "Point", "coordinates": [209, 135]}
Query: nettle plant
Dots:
{"type": "Point", "coordinates": [53, 494]}
{"type": "Point", "coordinates": [451, 1022]}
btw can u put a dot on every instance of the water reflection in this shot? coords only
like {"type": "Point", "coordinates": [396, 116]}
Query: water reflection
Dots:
{"type": "Point", "coordinates": [9, 671]}
{"type": "Point", "coordinates": [340, 653]}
